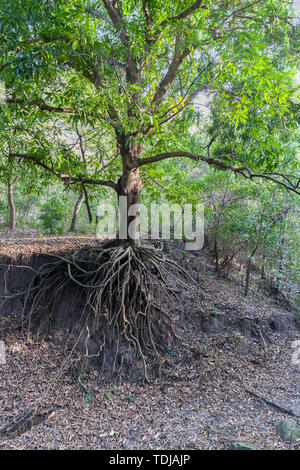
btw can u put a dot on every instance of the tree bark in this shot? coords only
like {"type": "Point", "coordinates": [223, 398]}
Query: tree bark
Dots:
{"type": "Point", "coordinates": [282, 239]}
{"type": "Point", "coordinates": [129, 190]}
{"type": "Point", "coordinates": [129, 193]}
{"type": "Point", "coordinates": [76, 212]}
{"type": "Point", "coordinates": [248, 272]}
{"type": "Point", "coordinates": [216, 251]}
{"type": "Point", "coordinates": [11, 205]}
{"type": "Point", "coordinates": [263, 273]}
{"type": "Point", "coordinates": [250, 258]}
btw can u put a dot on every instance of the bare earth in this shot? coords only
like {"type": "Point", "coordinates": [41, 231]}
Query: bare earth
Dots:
{"type": "Point", "coordinates": [200, 402]}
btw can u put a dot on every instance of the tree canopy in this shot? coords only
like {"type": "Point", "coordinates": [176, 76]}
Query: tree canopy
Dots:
{"type": "Point", "coordinates": [132, 77]}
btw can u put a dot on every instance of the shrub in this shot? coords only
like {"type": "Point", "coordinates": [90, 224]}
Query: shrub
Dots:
{"type": "Point", "coordinates": [53, 214]}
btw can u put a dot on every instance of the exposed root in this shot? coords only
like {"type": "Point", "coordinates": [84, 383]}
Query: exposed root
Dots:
{"type": "Point", "coordinates": [126, 294]}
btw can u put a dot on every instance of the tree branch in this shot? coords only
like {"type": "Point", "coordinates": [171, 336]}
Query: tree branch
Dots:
{"type": "Point", "coordinates": [132, 71]}
{"type": "Point", "coordinates": [67, 179]}
{"type": "Point", "coordinates": [197, 5]}
{"type": "Point", "coordinates": [42, 106]}
{"type": "Point", "coordinates": [148, 21]}
{"type": "Point", "coordinates": [243, 170]}
{"type": "Point", "coordinates": [116, 18]}
{"type": "Point", "coordinates": [170, 76]}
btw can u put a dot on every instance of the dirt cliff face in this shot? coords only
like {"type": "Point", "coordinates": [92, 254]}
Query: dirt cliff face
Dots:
{"type": "Point", "coordinates": [65, 307]}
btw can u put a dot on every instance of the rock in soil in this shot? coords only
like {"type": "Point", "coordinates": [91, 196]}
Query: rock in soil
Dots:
{"type": "Point", "coordinates": [288, 430]}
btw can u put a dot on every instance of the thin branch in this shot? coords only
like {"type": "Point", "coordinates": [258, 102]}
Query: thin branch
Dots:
{"type": "Point", "coordinates": [50, 40]}
{"type": "Point", "coordinates": [244, 7]}
{"type": "Point", "coordinates": [5, 65]}
{"type": "Point", "coordinates": [93, 13]}
{"type": "Point", "coordinates": [154, 180]}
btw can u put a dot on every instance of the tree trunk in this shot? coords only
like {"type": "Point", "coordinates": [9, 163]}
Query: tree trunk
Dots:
{"type": "Point", "coordinates": [251, 257]}
{"type": "Point", "coordinates": [11, 205]}
{"type": "Point", "coordinates": [282, 240]}
{"type": "Point", "coordinates": [263, 273]}
{"type": "Point", "coordinates": [77, 208]}
{"type": "Point", "coordinates": [216, 251]}
{"type": "Point", "coordinates": [248, 272]}
{"type": "Point", "coordinates": [129, 193]}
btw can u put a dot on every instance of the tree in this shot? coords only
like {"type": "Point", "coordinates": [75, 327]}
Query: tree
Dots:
{"type": "Point", "coordinates": [10, 198]}
{"type": "Point", "coordinates": [77, 208]}
{"type": "Point", "coordinates": [131, 73]}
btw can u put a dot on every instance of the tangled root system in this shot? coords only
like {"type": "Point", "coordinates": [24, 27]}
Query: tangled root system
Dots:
{"type": "Point", "coordinates": [126, 290]}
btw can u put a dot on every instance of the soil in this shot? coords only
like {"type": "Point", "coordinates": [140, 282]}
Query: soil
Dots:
{"type": "Point", "coordinates": [229, 346]}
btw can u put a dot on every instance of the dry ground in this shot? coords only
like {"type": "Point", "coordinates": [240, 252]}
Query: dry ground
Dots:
{"type": "Point", "coordinates": [200, 403]}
